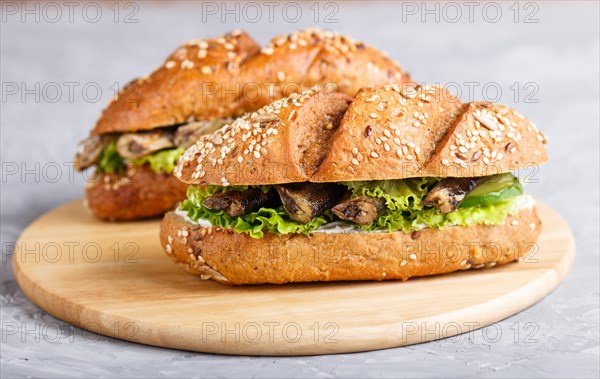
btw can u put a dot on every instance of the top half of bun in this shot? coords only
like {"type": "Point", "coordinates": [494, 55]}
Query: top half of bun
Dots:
{"type": "Point", "coordinates": [385, 132]}
{"type": "Point", "coordinates": [230, 75]}
{"type": "Point", "coordinates": [401, 131]}
{"type": "Point", "coordinates": [283, 142]}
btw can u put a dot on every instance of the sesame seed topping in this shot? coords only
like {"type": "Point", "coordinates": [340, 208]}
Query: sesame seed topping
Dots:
{"type": "Point", "coordinates": [354, 151]}
{"type": "Point", "coordinates": [187, 64]}
{"type": "Point", "coordinates": [514, 222]}
{"type": "Point", "coordinates": [403, 263]}
{"type": "Point", "coordinates": [408, 92]}
{"type": "Point", "coordinates": [170, 64]}
{"type": "Point", "coordinates": [206, 70]}
{"type": "Point", "coordinates": [413, 257]}
{"type": "Point", "coordinates": [374, 154]}
{"type": "Point", "coordinates": [355, 161]}
{"type": "Point", "coordinates": [267, 50]}
{"type": "Point", "coordinates": [373, 115]}
{"type": "Point", "coordinates": [485, 120]}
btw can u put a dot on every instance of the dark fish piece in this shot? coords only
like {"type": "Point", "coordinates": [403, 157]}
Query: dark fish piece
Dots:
{"type": "Point", "coordinates": [239, 203]}
{"type": "Point", "coordinates": [138, 144]}
{"type": "Point", "coordinates": [362, 210]}
{"type": "Point", "coordinates": [89, 151]}
{"type": "Point", "coordinates": [449, 192]}
{"type": "Point", "coordinates": [305, 201]}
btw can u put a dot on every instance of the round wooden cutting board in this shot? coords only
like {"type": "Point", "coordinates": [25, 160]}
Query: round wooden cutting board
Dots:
{"type": "Point", "coordinates": [114, 279]}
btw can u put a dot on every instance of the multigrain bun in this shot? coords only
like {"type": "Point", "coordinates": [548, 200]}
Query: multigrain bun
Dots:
{"type": "Point", "coordinates": [294, 62]}
{"type": "Point", "coordinates": [230, 75]}
{"type": "Point", "coordinates": [138, 193]}
{"type": "Point", "coordinates": [177, 90]}
{"type": "Point", "coordinates": [395, 132]}
{"type": "Point", "coordinates": [388, 132]}
{"type": "Point", "coordinates": [283, 142]}
{"type": "Point", "coordinates": [235, 258]}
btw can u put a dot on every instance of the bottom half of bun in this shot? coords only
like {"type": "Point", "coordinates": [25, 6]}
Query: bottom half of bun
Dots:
{"type": "Point", "coordinates": [138, 193]}
{"type": "Point", "coordinates": [235, 258]}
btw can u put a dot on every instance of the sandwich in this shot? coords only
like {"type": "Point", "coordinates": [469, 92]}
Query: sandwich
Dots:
{"type": "Point", "coordinates": [202, 86]}
{"type": "Point", "coordinates": [399, 181]}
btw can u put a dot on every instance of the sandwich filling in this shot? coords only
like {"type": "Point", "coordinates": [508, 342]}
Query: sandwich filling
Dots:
{"type": "Point", "coordinates": [158, 148]}
{"type": "Point", "coordinates": [369, 206]}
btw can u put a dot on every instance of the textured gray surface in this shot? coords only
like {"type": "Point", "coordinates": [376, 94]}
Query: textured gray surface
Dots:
{"type": "Point", "coordinates": [559, 54]}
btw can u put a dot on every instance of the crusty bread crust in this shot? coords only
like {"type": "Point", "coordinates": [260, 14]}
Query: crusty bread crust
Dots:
{"type": "Point", "coordinates": [387, 132]}
{"type": "Point", "coordinates": [396, 132]}
{"type": "Point", "coordinates": [139, 193]}
{"type": "Point", "coordinates": [178, 89]}
{"type": "Point", "coordinates": [235, 258]}
{"type": "Point", "coordinates": [388, 129]}
{"type": "Point", "coordinates": [283, 142]}
{"type": "Point", "coordinates": [230, 75]}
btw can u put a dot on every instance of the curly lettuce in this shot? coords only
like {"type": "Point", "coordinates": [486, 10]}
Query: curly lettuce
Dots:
{"type": "Point", "coordinates": [162, 161]}
{"type": "Point", "coordinates": [110, 161]}
{"type": "Point", "coordinates": [404, 209]}
{"type": "Point", "coordinates": [254, 224]}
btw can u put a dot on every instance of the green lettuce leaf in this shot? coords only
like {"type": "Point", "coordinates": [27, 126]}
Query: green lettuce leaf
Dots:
{"type": "Point", "coordinates": [254, 224]}
{"type": "Point", "coordinates": [162, 161]}
{"type": "Point", "coordinates": [110, 161]}
{"type": "Point", "coordinates": [405, 210]}
{"type": "Point", "coordinates": [403, 199]}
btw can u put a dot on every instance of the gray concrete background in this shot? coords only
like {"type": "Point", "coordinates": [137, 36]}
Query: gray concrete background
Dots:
{"type": "Point", "coordinates": [549, 49]}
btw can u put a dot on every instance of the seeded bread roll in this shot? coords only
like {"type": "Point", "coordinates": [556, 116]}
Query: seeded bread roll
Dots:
{"type": "Point", "coordinates": [139, 193]}
{"type": "Point", "coordinates": [388, 132]}
{"type": "Point", "coordinates": [396, 132]}
{"type": "Point", "coordinates": [292, 63]}
{"type": "Point", "coordinates": [235, 258]}
{"type": "Point", "coordinates": [230, 75]}
{"type": "Point", "coordinates": [283, 142]}
{"type": "Point", "coordinates": [180, 89]}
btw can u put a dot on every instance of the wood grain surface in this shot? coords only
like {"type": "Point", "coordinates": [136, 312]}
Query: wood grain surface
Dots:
{"type": "Point", "coordinates": [114, 279]}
